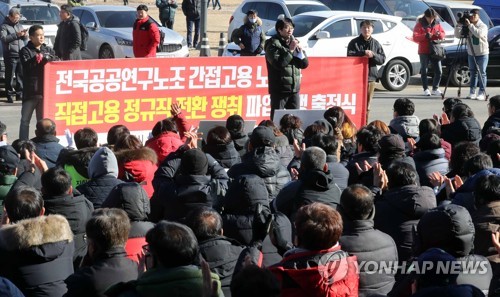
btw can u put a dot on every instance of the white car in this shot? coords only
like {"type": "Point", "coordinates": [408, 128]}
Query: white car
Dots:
{"type": "Point", "coordinates": [110, 33]}
{"type": "Point", "coordinates": [327, 34]}
{"type": "Point", "coordinates": [270, 10]}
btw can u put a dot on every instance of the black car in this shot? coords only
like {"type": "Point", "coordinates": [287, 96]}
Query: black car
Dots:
{"type": "Point", "coordinates": [456, 60]}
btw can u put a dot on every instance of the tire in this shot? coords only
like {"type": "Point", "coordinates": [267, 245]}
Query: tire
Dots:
{"type": "Point", "coordinates": [106, 52]}
{"type": "Point", "coordinates": [396, 75]}
{"type": "Point", "coordinates": [460, 75]}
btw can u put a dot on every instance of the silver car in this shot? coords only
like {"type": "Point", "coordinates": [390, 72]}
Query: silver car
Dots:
{"type": "Point", "coordinates": [110, 33]}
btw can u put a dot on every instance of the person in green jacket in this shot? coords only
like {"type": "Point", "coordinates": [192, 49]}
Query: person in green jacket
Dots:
{"type": "Point", "coordinates": [9, 160]}
{"type": "Point", "coordinates": [284, 59]}
{"type": "Point", "coordinates": [167, 12]}
{"type": "Point", "coordinates": [171, 253]}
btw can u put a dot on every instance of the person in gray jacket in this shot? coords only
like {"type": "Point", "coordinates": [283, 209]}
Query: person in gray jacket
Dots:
{"type": "Point", "coordinates": [13, 37]}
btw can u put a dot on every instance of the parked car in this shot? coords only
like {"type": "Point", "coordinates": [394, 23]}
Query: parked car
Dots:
{"type": "Point", "coordinates": [448, 10]}
{"type": "Point", "coordinates": [33, 12]}
{"type": "Point", "coordinates": [456, 56]}
{"type": "Point", "coordinates": [270, 10]}
{"type": "Point", "coordinates": [327, 34]}
{"type": "Point", "coordinates": [409, 10]}
{"type": "Point", "coordinates": [110, 33]}
{"type": "Point", "coordinates": [492, 8]}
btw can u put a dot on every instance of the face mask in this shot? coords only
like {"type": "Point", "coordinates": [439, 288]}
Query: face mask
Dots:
{"type": "Point", "coordinates": [252, 21]}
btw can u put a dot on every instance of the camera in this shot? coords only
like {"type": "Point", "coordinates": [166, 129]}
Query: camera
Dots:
{"type": "Point", "coordinates": [462, 16]}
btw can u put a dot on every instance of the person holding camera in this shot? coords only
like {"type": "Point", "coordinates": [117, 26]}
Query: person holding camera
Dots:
{"type": "Point", "coordinates": [426, 31]}
{"type": "Point", "coordinates": [476, 34]}
{"type": "Point", "coordinates": [14, 38]}
{"type": "Point", "coordinates": [33, 56]}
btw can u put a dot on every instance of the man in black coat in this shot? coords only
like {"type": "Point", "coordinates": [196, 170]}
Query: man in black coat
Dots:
{"type": "Point", "coordinates": [315, 184]}
{"type": "Point", "coordinates": [220, 252]}
{"type": "Point", "coordinates": [107, 233]}
{"type": "Point", "coordinates": [68, 38]}
{"type": "Point", "coordinates": [368, 244]}
{"type": "Point", "coordinates": [59, 198]}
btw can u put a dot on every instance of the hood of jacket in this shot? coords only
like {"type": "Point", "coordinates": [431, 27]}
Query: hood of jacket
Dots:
{"type": "Point", "coordinates": [74, 207]}
{"type": "Point", "coordinates": [35, 232]}
{"type": "Point", "coordinates": [406, 126]}
{"type": "Point", "coordinates": [226, 154]}
{"type": "Point", "coordinates": [411, 200]}
{"type": "Point", "coordinates": [244, 193]}
{"type": "Point", "coordinates": [192, 186]}
{"type": "Point", "coordinates": [103, 162]}
{"type": "Point", "coordinates": [429, 155]}
{"type": "Point", "coordinates": [264, 161]}
{"type": "Point", "coordinates": [45, 139]}
{"type": "Point", "coordinates": [132, 198]}
{"type": "Point", "coordinates": [447, 227]}
{"type": "Point", "coordinates": [317, 180]}
{"type": "Point", "coordinates": [144, 153]}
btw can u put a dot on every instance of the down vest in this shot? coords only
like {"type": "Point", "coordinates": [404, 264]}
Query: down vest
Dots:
{"type": "Point", "coordinates": [282, 67]}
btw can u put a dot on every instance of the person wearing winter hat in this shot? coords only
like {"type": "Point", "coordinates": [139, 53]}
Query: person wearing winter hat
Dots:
{"type": "Point", "coordinates": [392, 148]}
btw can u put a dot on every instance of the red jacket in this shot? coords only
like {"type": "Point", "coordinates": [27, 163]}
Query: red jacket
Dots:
{"type": "Point", "coordinates": [145, 41]}
{"type": "Point", "coordinates": [420, 31]}
{"type": "Point", "coordinates": [334, 273]}
{"type": "Point", "coordinates": [169, 142]}
{"type": "Point", "coordinates": [138, 165]}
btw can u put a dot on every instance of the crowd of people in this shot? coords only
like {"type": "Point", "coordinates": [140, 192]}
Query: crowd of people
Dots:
{"type": "Point", "coordinates": [330, 209]}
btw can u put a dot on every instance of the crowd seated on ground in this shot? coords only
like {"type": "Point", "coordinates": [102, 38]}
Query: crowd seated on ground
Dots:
{"type": "Point", "coordinates": [330, 209]}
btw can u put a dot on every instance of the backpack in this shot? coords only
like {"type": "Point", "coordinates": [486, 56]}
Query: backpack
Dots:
{"type": "Point", "coordinates": [84, 37]}
{"type": "Point", "coordinates": [146, 26]}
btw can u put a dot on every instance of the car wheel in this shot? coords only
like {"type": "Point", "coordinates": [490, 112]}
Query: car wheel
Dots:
{"type": "Point", "coordinates": [106, 52]}
{"type": "Point", "coordinates": [396, 75]}
{"type": "Point", "coordinates": [460, 76]}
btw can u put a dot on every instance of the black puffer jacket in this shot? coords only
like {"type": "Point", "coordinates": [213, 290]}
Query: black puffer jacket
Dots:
{"type": "Point", "coordinates": [108, 269]}
{"type": "Point", "coordinates": [240, 142]}
{"type": "Point", "coordinates": [359, 238]}
{"type": "Point", "coordinates": [284, 150]}
{"type": "Point", "coordinates": [264, 162]}
{"type": "Point", "coordinates": [312, 186]}
{"type": "Point", "coordinates": [221, 253]}
{"type": "Point", "coordinates": [243, 196]}
{"type": "Point", "coordinates": [77, 210]}
{"type": "Point", "coordinates": [463, 129]}
{"type": "Point", "coordinates": [430, 161]}
{"type": "Point", "coordinates": [398, 212]}
{"type": "Point", "coordinates": [493, 121]}
{"type": "Point", "coordinates": [79, 160]}
{"type": "Point", "coordinates": [226, 155]}
{"type": "Point", "coordinates": [68, 39]}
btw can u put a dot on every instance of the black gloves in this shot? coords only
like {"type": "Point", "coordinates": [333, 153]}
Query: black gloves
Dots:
{"type": "Point", "coordinates": [428, 35]}
{"type": "Point", "coordinates": [261, 223]}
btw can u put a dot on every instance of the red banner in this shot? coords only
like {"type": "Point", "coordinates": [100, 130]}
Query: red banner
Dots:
{"type": "Point", "coordinates": [138, 92]}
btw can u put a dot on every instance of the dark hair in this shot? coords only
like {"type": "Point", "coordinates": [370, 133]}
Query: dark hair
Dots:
{"type": "Point", "coordinates": [318, 226]}
{"type": "Point", "coordinates": [205, 222]}
{"type": "Point", "coordinates": [314, 129]}
{"type": "Point", "coordinates": [487, 189]}
{"type": "Point", "coordinates": [85, 137]}
{"type": "Point", "coordinates": [127, 142]}
{"type": "Point", "coordinates": [252, 11]}
{"type": "Point", "coordinates": [313, 158]}
{"type": "Point", "coordinates": [270, 124]}
{"type": "Point", "coordinates": [108, 228]}
{"type": "Point", "coordinates": [461, 110]}
{"type": "Point", "coordinates": [495, 102]}
{"type": "Point", "coordinates": [116, 132]}
{"type": "Point", "coordinates": [448, 104]}
{"type": "Point", "coordinates": [404, 107]}
{"type": "Point", "coordinates": [218, 135]}
{"type": "Point", "coordinates": [492, 150]}
{"type": "Point", "coordinates": [289, 122]}
{"type": "Point", "coordinates": [142, 7]}
{"type": "Point", "coordinates": [33, 29]}
{"type": "Point", "coordinates": [429, 12]}
{"type": "Point", "coordinates": [45, 127]}
{"type": "Point", "coordinates": [254, 281]}
{"type": "Point", "coordinates": [429, 141]}
{"type": "Point", "coordinates": [280, 24]}
{"type": "Point", "coordinates": [368, 137]}
{"type": "Point", "coordinates": [462, 152]}
{"type": "Point", "coordinates": [55, 182]}
{"type": "Point", "coordinates": [23, 203]}
{"type": "Point", "coordinates": [427, 126]}
{"type": "Point", "coordinates": [172, 244]}
{"type": "Point", "coordinates": [67, 8]}
{"type": "Point", "coordinates": [235, 125]}
{"type": "Point", "coordinates": [20, 145]}
{"type": "Point", "coordinates": [477, 163]}
{"type": "Point", "coordinates": [401, 174]}
{"type": "Point", "coordinates": [328, 143]}
{"type": "Point", "coordinates": [335, 116]}
{"type": "Point", "coordinates": [165, 125]}
{"type": "Point", "coordinates": [367, 23]}
{"type": "Point", "coordinates": [381, 126]}
{"type": "Point", "coordinates": [357, 202]}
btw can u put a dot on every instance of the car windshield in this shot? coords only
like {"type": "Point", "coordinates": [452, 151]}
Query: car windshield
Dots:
{"type": "Point", "coordinates": [296, 9]}
{"type": "Point", "coordinates": [116, 19]}
{"type": "Point", "coordinates": [406, 8]}
{"type": "Point", "coordinates": [44, 14]}
{"type": "Point", "coordinates": [493, 32]}
{"type": "Point", "coordinates": [303, 25]}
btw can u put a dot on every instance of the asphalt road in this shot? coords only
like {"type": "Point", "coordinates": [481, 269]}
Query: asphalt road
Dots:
{"type": "Point", "coordinates": [381, 108]}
